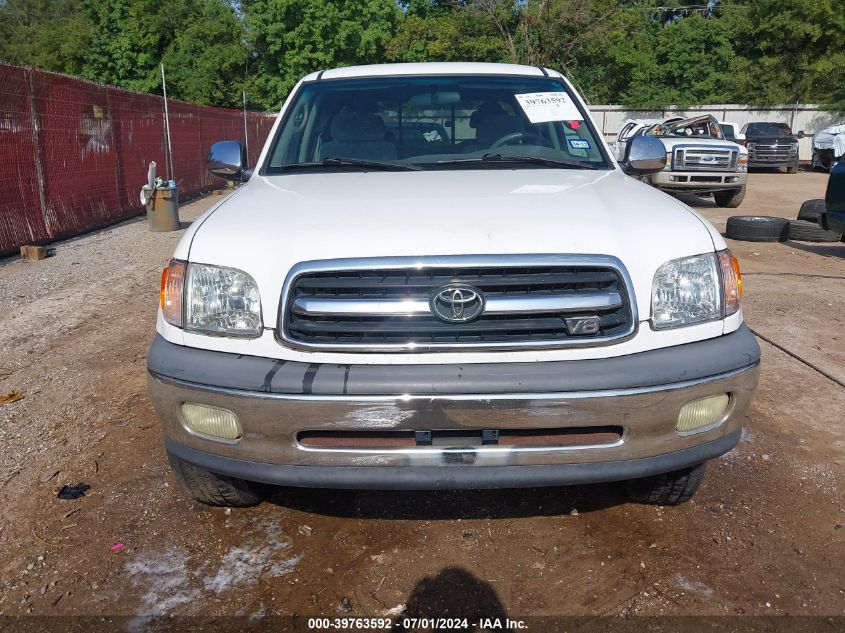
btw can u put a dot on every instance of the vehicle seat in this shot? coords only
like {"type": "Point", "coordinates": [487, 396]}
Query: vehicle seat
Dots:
{"type": "Point", "coordinates": [491, 123]}
{"type": "Point", "coordinates": [491, 129]}
{"type": "Point", "coordinates": [358, 135]}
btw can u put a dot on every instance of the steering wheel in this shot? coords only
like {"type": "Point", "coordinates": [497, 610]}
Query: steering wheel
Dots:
{"type": "Point", "coordinates": [513, 136]}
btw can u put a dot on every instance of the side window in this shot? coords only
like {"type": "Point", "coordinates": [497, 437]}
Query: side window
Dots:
{"type": "Point", "coordinates": [293, 136]}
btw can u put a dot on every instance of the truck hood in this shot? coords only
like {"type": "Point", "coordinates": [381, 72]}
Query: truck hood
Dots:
{"type": "Point", "coordinates": [671, 141]}
{"type": "Point", "coordinates": [275, 222]}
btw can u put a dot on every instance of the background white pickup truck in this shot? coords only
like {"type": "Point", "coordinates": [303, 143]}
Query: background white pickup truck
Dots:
{"type": "Point", "coordinates": [699, 158]}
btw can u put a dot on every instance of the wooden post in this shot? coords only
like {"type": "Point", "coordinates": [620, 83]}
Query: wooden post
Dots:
{"type": "Point", "coordinates": [36, 147]}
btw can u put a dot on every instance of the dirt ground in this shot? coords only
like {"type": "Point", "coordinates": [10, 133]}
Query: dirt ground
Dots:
{"type": "Point", "coordinates": [764, 535]}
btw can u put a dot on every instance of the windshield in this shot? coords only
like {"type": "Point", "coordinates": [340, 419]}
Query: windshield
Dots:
{"type": "Point", "coordinates": [768, 129]}
{"type": "Point", "coordinates": [702, 127]}
{"type": "Point", "coordinates": [435, 122]}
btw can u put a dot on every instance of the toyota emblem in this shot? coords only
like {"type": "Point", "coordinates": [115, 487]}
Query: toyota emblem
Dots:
{"type": "Point", "coordinates": [457, 303]}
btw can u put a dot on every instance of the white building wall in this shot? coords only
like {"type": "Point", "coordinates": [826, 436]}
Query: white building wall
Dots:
{"type": "Point", "coordinates": [807, 118]}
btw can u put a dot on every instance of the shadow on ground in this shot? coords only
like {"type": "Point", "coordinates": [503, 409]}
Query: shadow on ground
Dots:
{"type": "Point", "coordinates": [453, 593]}
{"type": "Point", "coordinates": [828, 249]}
{"type": "Point", "coordinates": [450, 505]}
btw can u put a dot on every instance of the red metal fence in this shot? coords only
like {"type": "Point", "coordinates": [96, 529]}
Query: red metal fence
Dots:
{"type": "Point", "coordinates": [74, 154]}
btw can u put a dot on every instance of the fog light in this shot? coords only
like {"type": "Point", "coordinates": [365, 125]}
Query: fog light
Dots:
{"type": "Point", "coordinates": [703, 412]}
{"type": "Point", "coordinates": [212, 421]}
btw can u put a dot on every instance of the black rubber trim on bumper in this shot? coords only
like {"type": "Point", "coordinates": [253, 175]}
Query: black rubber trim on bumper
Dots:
{"type": "Point", "coordinates": [451, 477]}
{"type": "Point", "coordinates": [702, 359]}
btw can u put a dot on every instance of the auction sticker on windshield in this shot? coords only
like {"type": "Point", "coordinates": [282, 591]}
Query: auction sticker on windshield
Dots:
{"type": "Point", "coordinates": [542, 107]}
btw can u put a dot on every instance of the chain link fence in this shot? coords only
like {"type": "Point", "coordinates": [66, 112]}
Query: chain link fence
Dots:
{"type": "Point", "coordinates": [74, 154]}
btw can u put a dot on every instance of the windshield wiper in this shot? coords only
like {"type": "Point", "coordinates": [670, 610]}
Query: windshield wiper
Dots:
{"type": "Point", "coordinates": [333, 161]}
{"type": "Point", "coordinates": [511, 158]}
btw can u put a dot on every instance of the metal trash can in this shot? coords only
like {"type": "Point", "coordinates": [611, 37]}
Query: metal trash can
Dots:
{"type": "Point", "coordinates": [163, 210]}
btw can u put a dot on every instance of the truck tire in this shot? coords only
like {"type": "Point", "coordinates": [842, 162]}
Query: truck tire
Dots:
{"type": "Point", "coordinates": [730, 199]}
{"type": "Point", "coordinates": [213, 489]}
{"type": "Point", "coordinates": [803, 231]}
{"type": "Point", "coordinates": [792, 168]}
{"type": "Point", "coordinates": [811, 210]}
{"type": "Point", "coordinates": [668, 489]}
{"type": "Point", "coordinates": [757, 228]}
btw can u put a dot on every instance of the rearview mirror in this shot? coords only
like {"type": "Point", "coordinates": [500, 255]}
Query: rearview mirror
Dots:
{"type": "Point", "coordinates": [644, 155]}
{"type": "Point", "coordinates": [227, 160]}
{"type": "Point", "coordinates": [434, 98]}
{"type": "Point", "coordinates": [801, 134]}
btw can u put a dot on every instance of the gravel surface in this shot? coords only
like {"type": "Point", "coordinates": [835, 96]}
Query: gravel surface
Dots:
{"type": "Point", "coordinates": [764, 536]}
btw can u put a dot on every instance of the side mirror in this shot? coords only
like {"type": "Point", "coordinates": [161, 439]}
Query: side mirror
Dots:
{"type": "Point", "coordinates": [644, 155]}
{"type": "Point", "coordinates": [739, 137]}
{"type": "Point", "coordinates": [227, 160]}
{"type": "Point", "coordinates": [801, 134]}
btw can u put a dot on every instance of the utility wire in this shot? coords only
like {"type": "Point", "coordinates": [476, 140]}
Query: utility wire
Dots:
{"type": "Point", "coordinates": [691, 7]}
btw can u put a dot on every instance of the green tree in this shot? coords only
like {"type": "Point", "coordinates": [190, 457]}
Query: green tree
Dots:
{"type": "Point", "coordinates": [51, 34]}
{"type": "Point", "coordinates": [207, 59]}
{"type": "Point", "coordinates": [200, 43]}
{"type": "Point", "coordinates": [445, 36]}
{"type": "Point", "coordinates": [788, 51]}
{"type": "Point", "coordinates": [684, 62]}
{"type": "Point", "coordinates": [290, 38]}
{"type": "Point", "coordinates": [640, 53]}
{"type": "Point", "coordinates": [130, 38]}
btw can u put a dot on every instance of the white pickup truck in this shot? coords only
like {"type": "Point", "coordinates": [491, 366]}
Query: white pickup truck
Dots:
{"type": "Point", "coordinates": [699, 157]}
{"type": "Point", "coordinates": [438, 276]}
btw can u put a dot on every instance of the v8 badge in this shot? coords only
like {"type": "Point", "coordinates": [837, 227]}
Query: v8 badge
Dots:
{"type": "Point", "coordinates": [583, 325]}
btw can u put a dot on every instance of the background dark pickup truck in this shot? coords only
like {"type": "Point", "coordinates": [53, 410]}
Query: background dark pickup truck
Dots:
{"type": "Point", "coordinates": [772, 145]}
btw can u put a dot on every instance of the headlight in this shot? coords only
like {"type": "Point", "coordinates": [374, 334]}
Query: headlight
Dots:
{"type": "Point", "coordinates": [686, 291]}
{"type": "Point", "coordinates": [742, 162]}
{"type": "Point", "coordinates": [695, 289]}
{"type": "Point", "coordinates": [221, 301]}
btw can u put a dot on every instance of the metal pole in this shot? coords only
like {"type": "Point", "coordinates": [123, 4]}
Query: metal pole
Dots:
{"type": "Point", "coordinates": [246, 129]}
{"type": "Point", "coordinates": [170, 174]}
{"type": "Point", "coordinates": [46, 216]}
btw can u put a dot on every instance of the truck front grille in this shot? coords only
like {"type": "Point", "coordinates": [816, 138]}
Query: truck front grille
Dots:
{"type": "Point", "coordinates": [385, 304]}
{"type": "Point", "coordinates": [771, 153]}
{"type": "Point", "coordinates": [690, 157]}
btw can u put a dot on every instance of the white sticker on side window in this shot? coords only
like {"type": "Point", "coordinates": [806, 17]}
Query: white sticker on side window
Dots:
{"type": "Point", "coordinates": [542, 107]}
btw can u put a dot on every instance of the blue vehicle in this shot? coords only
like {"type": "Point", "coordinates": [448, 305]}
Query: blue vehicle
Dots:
{"type": "Point", "coordinates": [833, 218]}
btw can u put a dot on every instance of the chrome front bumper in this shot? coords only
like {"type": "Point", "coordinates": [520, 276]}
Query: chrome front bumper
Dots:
{"type": "Point", "coordinates": [270, 451]}
{"type": "Point", "coordinates": [699, 180]}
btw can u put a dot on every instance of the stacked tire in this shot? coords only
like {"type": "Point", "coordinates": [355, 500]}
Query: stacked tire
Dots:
{"type": "Point", "coordinates": [757, 228]}
{"type": "Point", "coordinates": [765, 228]}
